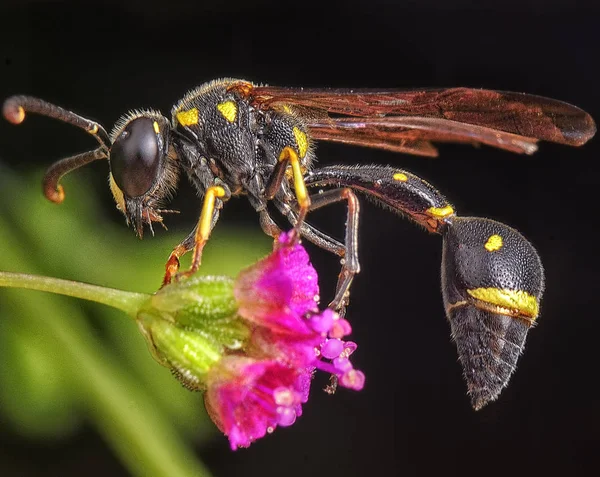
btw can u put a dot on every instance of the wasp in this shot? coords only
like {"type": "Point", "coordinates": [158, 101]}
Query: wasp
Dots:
{"type": "Point", "coordinates": [231, 137]}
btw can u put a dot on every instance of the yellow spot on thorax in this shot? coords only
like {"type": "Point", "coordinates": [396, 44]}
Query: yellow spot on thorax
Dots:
{"type": "Point", "coordinates": [399, 176]}
{"type": "Point", "coordinates": [493, 243]}
{"type": "Point", "coordinates": [518, 302]}
{"type": "Point", "coordinates": [440, 212]}
{"type": "Point", "coordinates": [187, 118]}
{"type": "Point", "coordinates": [156, 128]}
{"type": "Point", "coordinates": [301, 141]}
{"type": "Point", "coordinates": [229, 110]}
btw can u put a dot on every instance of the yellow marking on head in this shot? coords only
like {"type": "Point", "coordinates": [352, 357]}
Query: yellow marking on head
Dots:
{"type": "Point", "coordinates": [187, 118]}
{"type": "Point", "coordinates": [94, 129]}
{"type": "Point", "coordinates": [440, 212]}
{"type": "Point", "coordinates": [518, 302]}
{"type": "Point", "coordinates": [229, 110]}
{"type": "Point", "coordinates": [117, 194]}
{"type": "Point", "coordinates": [156, 128]}
{"type": "Point", "coordinates": [286, 109]}
{"type": "Point", "coordinates": [493, 243]}
{"type": "Point", "coordinates": [301, 141]}
{"type": "Point", "coordinates": [399, 176]}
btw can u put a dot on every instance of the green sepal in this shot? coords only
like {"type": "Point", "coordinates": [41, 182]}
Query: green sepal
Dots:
{"type": "Point", "coordinates": [190, 324]}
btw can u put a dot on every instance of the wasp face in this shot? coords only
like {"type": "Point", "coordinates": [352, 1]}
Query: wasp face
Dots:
{"type": "Point", "coordinates": [143, 170]}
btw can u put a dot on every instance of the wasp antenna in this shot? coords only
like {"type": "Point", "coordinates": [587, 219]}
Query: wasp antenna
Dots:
{"type": "Point", "coordinates": [52, 189]}
{"type": "Point", "coordinates": [16, 107]}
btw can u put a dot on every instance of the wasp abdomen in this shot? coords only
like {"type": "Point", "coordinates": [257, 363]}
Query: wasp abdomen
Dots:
{"type": "Point", "coordinates": [391, 187]}
{"type": "Point", "coordinates": [489, 345]}
{"type": "Point", "coordinates": [492, 284]}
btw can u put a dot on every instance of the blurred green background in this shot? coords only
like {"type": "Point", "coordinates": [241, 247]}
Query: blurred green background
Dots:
{"type": "Point", "coordinates": [66, 364]}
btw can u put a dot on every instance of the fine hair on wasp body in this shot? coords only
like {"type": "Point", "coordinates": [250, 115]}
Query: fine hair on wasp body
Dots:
{"type": "Point", "coordinates": [230, 137]}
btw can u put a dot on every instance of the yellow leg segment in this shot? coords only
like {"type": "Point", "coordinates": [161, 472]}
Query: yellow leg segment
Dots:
{"type": "Point", "coordinates": [288, 154]}
{"type": "Point", "coordinates": [208, 208]}
{"type": "Point", "coordinates": [204, 224]}
{"type": "Point", "coordinates": [200, 238]}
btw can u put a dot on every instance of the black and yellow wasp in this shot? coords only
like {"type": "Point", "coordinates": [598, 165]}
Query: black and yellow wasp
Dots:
{"type": "Point", "coordinates": [231, 138]}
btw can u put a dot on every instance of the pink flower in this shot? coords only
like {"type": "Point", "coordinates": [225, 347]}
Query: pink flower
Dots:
{"type": "Point", "coordinates": [246, 398]}
{"type": "Point", "coordinates": [251, 394]}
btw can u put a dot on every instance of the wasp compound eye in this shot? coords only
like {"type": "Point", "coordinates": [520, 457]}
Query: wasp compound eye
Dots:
{"type": "Point", "coordinates": [135, 157]}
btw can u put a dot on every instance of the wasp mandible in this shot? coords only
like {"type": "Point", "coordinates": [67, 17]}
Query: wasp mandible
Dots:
{"type": "Point", "coordinates": [231, 137]}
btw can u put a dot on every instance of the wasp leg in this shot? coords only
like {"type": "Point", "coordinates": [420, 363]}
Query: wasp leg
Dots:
{"type": "Point", "coordinates": [309, 232]}
{"type": "Point", "coordinates": [173, 264]}
{"type": "Point", "coordinates": [213, 199]}
{"type": "Point", "coordinates": [276, 179]}
{"type": "Point", "coordinates": [268, 225]}
{"type": "Point", "coordinates": [348, 251]}
{"type": "Point", "coordinates": [289, 156]}
{"type": "Point", "coordinates": [350, 264]}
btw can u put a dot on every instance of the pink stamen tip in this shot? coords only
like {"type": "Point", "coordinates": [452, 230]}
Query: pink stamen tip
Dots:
{"type": "Point", "coordinates": [332, 348]}
{"type": "Point", "coordinates": [353, 379]}
{"type": "Point", "coordinates": [286, 416]}
{"type": "Point", "coordinates": [342, 364]}
{"type": "Point", "coordinates": [340, 329]}
{"type": "Point", "coordinates": [322, 322]}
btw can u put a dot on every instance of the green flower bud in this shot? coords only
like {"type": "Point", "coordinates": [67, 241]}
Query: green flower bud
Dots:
{"type": "Point", "coordinates": [189, 325]}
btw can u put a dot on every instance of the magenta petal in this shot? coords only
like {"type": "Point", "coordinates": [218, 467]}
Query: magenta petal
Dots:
{"type": "Point", "coordinates": [304, 277]}
{"type": "Point", "coordinates": [279, 290]}
{"type": "Point", "coordinates": [323, 322]}
{"type": "Point", "coordinates": [247, 398]}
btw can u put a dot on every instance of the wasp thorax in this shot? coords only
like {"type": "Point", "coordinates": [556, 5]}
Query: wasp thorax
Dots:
{"type": "Point", "coordinates": [135, 157]}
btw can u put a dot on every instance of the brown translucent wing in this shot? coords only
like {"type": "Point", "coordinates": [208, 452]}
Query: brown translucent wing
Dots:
{"type": "Point", "coordinates": [408, 120]}
{"type": "Point", "coordinates": [412, 134]}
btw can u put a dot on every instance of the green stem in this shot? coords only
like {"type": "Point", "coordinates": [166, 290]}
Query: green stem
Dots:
{"type": "Point", "coordinates": [128, 302]}
{"type": "Point", "coordinates": [123, 412]}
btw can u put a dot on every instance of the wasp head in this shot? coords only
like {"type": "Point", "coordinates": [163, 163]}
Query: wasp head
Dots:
{"type": "Point", "coordinates": [143, 167]}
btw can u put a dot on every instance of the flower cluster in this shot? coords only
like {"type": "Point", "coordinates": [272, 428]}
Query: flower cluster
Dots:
{"type": "Point", "coordinates": [252, 345]}
{"type": "Point", "coordinates": [250, 393]}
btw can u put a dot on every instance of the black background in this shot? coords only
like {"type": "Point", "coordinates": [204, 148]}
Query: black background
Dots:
{"type": "Point", "coordinates": [413, 417]}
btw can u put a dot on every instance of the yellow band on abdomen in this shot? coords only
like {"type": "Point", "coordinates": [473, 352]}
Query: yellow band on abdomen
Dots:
{"type": "Point", "coordinates": [518, 301]}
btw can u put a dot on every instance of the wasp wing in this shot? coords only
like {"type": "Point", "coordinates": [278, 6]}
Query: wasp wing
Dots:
{"type": "Point", "coordinates": [407, 120]}
{"type": "Point", "coordinates": [412, 134]}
